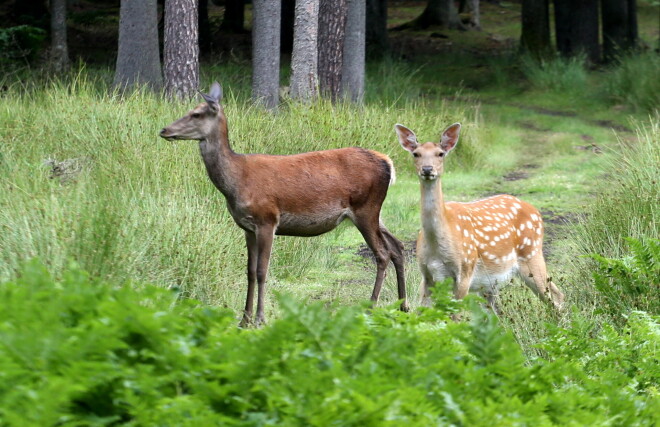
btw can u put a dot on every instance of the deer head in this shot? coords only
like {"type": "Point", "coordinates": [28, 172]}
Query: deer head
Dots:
{"type": "Point", "coordinates": [201, 121]}
{"type": "Point", "coordinates": [429, 156]}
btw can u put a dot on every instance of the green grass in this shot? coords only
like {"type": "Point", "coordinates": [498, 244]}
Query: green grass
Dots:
{"type": "Point", "coordinates": [143, 209]}
{"type": "Point", "coordinates": [130, 208]}
{"type": "Point", "coordinates": [627, 203]}
{"type": "Point", "coordinates": [633, 82]}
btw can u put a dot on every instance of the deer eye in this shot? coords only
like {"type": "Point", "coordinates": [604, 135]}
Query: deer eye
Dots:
{"type": "Point", "coordinates": [195, 115]}
{"type": "Point", "coordinates": [441, 154]}
{"type": "Point", "coordinates": [416, 154]}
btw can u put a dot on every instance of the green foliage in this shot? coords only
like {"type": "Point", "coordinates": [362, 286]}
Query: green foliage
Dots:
{"type": "Point", "coordinates": [20, 44]}
{"type": "Point", "coordinates": [84, 176]}
{"type": "Point", "coordinates": [78, 351]}
{"type": "Point", "coordinates": [627, 203]}
{"type": "Point", "coordinates": [630, 283]}
{"type": "Point", "coordinates": [633, 81]}
{"type": "Point", "coordinates": [556, 74]}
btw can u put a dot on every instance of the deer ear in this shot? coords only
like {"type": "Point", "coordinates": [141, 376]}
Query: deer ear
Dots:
{"type": "Point", "coordinates": [407, 138]}
{"type": "Point", "coordinates": [214, 96]}
{"type": "Point", "coordinates": [216, 92]}
{"type": "Point", "coordinates": [449, 137]}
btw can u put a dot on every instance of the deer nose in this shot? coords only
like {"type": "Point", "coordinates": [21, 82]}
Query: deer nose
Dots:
{"type": "Point", "coordinates": [427, 170]}
{"type": "Point", "coordinates": [163, 131]}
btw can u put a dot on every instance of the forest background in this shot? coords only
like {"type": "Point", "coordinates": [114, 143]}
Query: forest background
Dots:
{"type": "Point", "coordinates": [124, 275]}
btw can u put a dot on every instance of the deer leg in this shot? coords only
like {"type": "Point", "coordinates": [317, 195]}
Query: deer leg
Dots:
{"type": "Point", "coordinates": [462, 285]}
{"type": "Point", "coordinates": [376, 242]}
{"type": "Point", "coordinates": [492, 298]}
{"type": "Point", "coordinates": [425, 287]}
{"type": "Point", "coordinates": [251, 243]}
{"type": "Point", "coordinates": [265, 235]}
{"type": "Point", "coordinates": [534, 274]}
{"type": "Point", "coordinates": [397, 257]}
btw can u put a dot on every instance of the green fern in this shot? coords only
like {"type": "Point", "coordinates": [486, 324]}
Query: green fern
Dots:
{"type": "Point", "coordinates": [632, 282]}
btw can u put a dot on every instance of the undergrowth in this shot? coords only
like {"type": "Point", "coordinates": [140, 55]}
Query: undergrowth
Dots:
{"type": "Point", "coordinates": [84, 176]}
{"type": "Point", "coordinates": [555, 74]}
{"type": "Point", "coordinates": [79, 351]}
{"type": "Point", "coordinates": [627, 201]}
{"type": "Point", "coordinates": [633, 81]}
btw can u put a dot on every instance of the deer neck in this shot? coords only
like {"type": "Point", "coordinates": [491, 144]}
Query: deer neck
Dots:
{"type": "Point", "coordinates": [222, 164]}
{"type": "Point", "coordinates": [435, 224]}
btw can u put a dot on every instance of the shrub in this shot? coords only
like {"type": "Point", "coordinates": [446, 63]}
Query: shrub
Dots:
{"type": "Point", "coordinates": [20, 43]}
{"type": "Point", "coordinates": [634, 81]}
{"type": "Point", "coordinates": [630, 283]}
{"type": "Point", "coordinates": [77, 351]}
{"type": "Point", "coordinates": [556, 74]}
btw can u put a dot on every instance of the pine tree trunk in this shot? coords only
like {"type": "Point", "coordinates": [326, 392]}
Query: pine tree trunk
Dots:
{"type": "Point", "coordinates": [304, 59]}
{"type": "Point", "coordinates": [619, 27]}
{"type": "Point", "coordinates": [266, 16]}
{"type": "Point", "coordinates": [376, 33]}
{"type": "Point", "coordinates": [576, 27]}
{"type": "Point", "coordinates": [138, 59]}
{"type": "Point", "coordinates": [442, 13]}
{"type": "Point", "coordinates": [535, 38]}
{"type": "Point", "coordinates": [332, 30]}
{"type": "Point", "coordinates": [475, 19]}
{"type": "Point", "coordinates": [180, 49]}
{"type": "Point", "coordinates": [352, 74]}
{"type": "Point", "coordinates": [59, 52]}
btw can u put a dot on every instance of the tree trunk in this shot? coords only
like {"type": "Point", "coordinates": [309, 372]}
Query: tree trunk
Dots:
{"type": "Point", "coordinates": [204, 27]}
{"type": "Point", "coordinates": [138, 59]}
{"type": "Point", "coordinates": [234, 16]}
{"type": "Point", "coordinates": [376, 34]}
{"type": "Point", "coordinates": [535, 37]}
{"type": "Point", "coordinates": [442, 13]}
{"type": "Point", "coordinates": [619, 27]}
{"type": "Point", "coordinates": [352, 74]}
{"type": "Point", "coordinates": [304, 59]}
{"type": "Point", "coordinates": [180, 49]}
{"type": "Point", "coordinates": [576, 27]}
{"type": "Point", "coordinates": [332, 30]}
{"type": "Point", "coordinates": [475, 19]}
{"type": "Point", "coordinates": [266, 16]}
{"type": "Point", "coordinates": [59, 52]}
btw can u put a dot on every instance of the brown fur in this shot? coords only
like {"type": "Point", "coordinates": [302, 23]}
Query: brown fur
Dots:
{"type": "Point", "coordinates": [298, 195]}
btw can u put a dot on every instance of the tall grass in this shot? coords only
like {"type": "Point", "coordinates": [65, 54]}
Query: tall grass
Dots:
{"type": "Point", "coordinates": [634, 81]}
{"type": "Point", "coordinates": [626, 210]}
{"type": "Point", "coordinates": [627, 205]}
{"type": "Point", "coordinates": [140, 208]}
{"type": "Point", "coordinates": [556, 74]}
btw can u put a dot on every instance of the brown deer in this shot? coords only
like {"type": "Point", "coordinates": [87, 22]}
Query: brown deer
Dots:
{"type": "Point", "coordinates": [298, 195]}
{"type": "Point", "coordinates": [481, 245]}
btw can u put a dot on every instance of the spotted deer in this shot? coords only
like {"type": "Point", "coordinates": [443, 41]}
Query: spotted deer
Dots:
{"type": "Point", "coordinates": [481, 245]}
{"type": "Point", "coordinates": [298, 195]}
